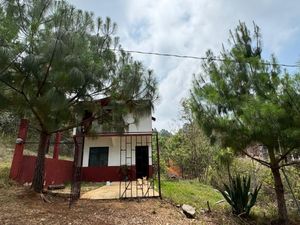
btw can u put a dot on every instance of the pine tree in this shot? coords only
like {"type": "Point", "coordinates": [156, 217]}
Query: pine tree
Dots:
{"type": "Point", "coordinates": [244, 100]}
{"type": "Point", "coordinates": [55, 60]}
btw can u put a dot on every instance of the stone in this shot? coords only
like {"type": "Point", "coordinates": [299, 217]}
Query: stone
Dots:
{"type": "Point", "coordinates": [188, 210]}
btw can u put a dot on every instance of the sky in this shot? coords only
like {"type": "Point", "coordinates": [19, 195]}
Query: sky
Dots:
{"type": "Point", "coordinates": [191, 27]}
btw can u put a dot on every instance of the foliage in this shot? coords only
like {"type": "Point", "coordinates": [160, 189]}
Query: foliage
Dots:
{"type": "Point", "coordinates": [165, 133]}
{"type": "Point", "coordinates": [188, 148]}
{"type": "Point", "coordinates": [60, 59]}
{"type": "Point", "coordinates": [237, 194]}
{"type": "Point", "coordinates": [55, 60]}
{"type": "Point", "coordinates": [224, 158]}
{"type": "Point", "coordinates": [247, 95]}
{"type": "Point", "coordinates": [243, 100]}
{"type": "Point", "coordinates": [8, 124]}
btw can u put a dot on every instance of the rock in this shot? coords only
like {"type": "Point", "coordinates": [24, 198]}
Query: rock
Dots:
{"type": "Point", "coordinates": [188, 210]}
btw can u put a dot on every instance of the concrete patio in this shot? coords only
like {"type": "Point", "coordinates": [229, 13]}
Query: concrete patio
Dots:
{"type": "Point", "coordinates": [112, 191]}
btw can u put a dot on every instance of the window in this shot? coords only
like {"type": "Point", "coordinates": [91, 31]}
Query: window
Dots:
{"type": "Point", "coordinates": [98, 156]}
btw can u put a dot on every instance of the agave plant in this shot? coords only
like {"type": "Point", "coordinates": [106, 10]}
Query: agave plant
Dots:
{"type": "Point", "coordinates": [237, 193]}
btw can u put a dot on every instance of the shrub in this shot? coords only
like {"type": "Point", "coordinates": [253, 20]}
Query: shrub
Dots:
{"type": "Point", "coordinates": [237, 194]}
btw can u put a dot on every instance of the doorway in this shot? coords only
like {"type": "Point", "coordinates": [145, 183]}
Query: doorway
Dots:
{"type": "Point", "coordinates": [142, 161]}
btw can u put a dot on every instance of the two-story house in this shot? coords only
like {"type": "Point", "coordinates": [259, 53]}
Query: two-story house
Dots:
{"type": "Point", "coordinates": [111, 155]}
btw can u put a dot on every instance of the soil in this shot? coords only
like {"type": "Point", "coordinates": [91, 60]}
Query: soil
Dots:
{"type": "Point", "coordinates": [18, 205]}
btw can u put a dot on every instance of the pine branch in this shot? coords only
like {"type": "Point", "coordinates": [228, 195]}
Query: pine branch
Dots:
{"type": "Point", "coordinates": [90, 119]}
{"type": "Point", "coordinates": [10, 86]}
{"type": "Point", "coordinates": [13, 61]}
{"type": "Point", "coordinates": [285, 155]}
{"type": "Point", "coordinates": [290, 164]}
{"type": "Point", "coordinates": [34, 112]}
{"type": "Point", "coordinates": [23, 27]}
{"type": "Point", "coordinates": [51, 58]}
{"type": "Point", "coordinates": [258, 160]}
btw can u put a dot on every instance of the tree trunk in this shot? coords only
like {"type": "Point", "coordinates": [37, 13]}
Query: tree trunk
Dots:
{"type": "Point", "coordinates": [38, 177]}
{"type": "Point", "coordinates": [279, 190]}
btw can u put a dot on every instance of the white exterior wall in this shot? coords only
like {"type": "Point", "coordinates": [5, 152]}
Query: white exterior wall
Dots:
{"type": "Point", "coordinates": [113, 152]}
{"type": "Point", "coordinates": [113, 143]}
{"type": "Point", "coordinates": [144, 124]}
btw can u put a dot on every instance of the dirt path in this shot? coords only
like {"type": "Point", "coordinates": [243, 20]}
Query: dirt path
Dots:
{"type": "Point", "coordinates": [22, 207]}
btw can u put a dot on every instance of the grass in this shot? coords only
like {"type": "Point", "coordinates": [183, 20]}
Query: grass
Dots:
{"type": "Point", "coordinates": [190, 192]}
{"type": "Point", "coordinates": [194, 193]}
{"type": "Point", "coordinates": [5, 182]}
{"type": "Point", "coordinates": [197, 194]}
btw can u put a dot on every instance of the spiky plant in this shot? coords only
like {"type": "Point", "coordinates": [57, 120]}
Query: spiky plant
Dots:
{"type": "Point", "coordinates": [238, 194]}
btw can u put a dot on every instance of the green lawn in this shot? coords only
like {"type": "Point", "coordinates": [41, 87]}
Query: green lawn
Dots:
{"type": "Point", "coordinates": [190, 192]}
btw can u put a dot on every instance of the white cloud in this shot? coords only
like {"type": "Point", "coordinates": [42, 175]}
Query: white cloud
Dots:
{"type": "Point", "coordinates": [191, 27]}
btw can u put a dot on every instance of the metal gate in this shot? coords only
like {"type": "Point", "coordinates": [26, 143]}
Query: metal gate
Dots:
{"type": "Point", "coordinates": [130, 185]}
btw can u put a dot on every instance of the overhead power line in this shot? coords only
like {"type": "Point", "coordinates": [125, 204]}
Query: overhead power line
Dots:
{"type": "Point", "coordinates": [201, 58]}
{"type": "Point", "coordinates": [170, 55]}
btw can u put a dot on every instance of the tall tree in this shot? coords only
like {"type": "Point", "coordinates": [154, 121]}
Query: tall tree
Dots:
{"type": "Point", "coordinates": [55, 60]}
{"type": "Point", "coordinates": [188, 148]}
{"type": "Point", "coordinates": [243, 99]}
{"type": "Point", "coordinates": [199, 150]}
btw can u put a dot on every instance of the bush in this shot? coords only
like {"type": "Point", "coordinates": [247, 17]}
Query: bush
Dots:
{"type": "Point", "coordinates": [237, 194]}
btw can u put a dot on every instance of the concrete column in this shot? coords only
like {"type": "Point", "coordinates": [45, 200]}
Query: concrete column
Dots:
{"type": "Point", "coordinates": [56, 145]}
{"type": "Point", "coordinates": [19, 148]}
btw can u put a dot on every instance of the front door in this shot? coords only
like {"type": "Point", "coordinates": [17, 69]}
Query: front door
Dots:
{"type": "Point", "coordinates": [141, 161]}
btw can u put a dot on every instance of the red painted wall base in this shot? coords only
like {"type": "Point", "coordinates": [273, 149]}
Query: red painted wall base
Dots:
{"type": "Point", "coordinates": [60, 171]}
{"type": "Point", "coordinates": [56, 171]}
{"type": "Point", "coordinates": [108, 173]}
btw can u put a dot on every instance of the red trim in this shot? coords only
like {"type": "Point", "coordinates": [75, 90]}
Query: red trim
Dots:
{"type": "Point", "coordinates": [60, 171]}
{"type": "Point", "coordinates": [121, 134]}
{"type": "Point", "coordinates": [108, 173]}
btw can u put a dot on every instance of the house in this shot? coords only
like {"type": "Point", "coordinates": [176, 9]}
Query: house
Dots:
{"type": "Point", "coordinates": [103, 153]}
{"type": "Point", "coordinates": [112, 155]}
